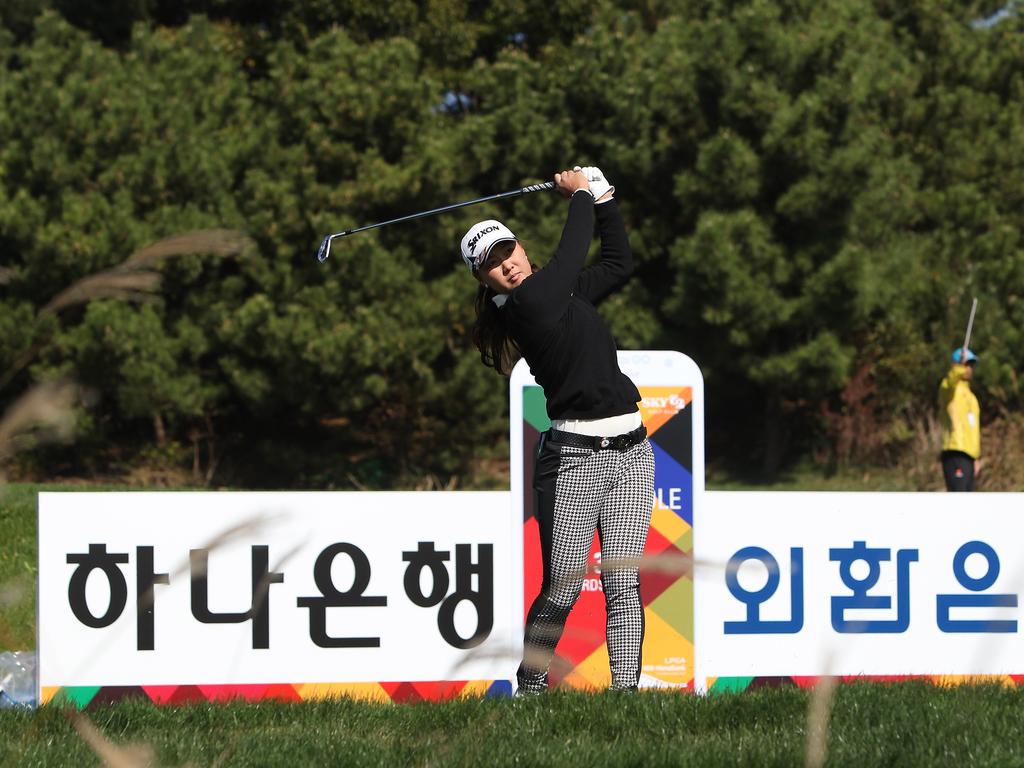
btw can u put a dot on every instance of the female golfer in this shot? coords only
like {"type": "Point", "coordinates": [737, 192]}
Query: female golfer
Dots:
{"type": "Point", "coordinates": [595, 467]}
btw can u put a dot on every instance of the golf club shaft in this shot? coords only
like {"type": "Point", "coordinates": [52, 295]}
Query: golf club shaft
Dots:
{"type": "Point", "coordinates": [970, 326]}
{"type": "Point", "coordinates": [325, 245]}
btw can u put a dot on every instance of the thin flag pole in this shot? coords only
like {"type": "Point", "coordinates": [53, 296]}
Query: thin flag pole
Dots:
{"type": "Point", "coordinates": [970, 326]}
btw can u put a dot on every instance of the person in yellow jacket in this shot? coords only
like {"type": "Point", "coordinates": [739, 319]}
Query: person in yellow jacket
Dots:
{"type": "Point", "coordinates": [960, 418]}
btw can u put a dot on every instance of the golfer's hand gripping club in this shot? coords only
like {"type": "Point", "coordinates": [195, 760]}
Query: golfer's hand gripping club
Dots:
{"type": "Point", "coordinates": [325, 245]}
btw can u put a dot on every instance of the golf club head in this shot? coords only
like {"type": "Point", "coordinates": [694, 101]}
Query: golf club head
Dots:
{"type": "Point", "coordinates": [325, 250]}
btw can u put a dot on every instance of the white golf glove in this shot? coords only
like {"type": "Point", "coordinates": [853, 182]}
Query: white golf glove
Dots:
{"type": "Point", "coordinates": [599, 185]}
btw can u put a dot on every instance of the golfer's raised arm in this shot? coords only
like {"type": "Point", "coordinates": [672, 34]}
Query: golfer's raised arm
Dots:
{"type": "Point", "coordinates": [616, 264]}
{"type": "Point", "coordinates": [547, 292]}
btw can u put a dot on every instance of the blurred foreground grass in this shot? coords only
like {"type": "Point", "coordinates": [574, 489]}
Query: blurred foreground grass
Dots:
{"type": "Point", "coordinates": [872, 724]}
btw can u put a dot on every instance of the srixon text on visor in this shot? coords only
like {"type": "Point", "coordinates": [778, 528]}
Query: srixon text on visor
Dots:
{"type": "Point", "coordinates": [476, 238]}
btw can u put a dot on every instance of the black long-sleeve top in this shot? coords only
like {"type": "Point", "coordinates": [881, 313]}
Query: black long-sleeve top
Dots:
{"type": "Point", "coordinates": [552, 318]}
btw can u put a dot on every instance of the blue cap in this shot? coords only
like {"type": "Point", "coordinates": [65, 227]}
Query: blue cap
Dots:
{"type": "Point", "coordinates": [971, 357]}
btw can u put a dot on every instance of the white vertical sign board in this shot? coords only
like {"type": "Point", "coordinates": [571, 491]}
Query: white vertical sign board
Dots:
{"type": "Point", "coordinates": [672, 407]}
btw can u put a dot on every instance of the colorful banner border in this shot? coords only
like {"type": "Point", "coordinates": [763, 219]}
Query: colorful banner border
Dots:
{"type": "Point", "coordinates": [744, 684]}
{"type": "Point", "coordinates": [89, 697]}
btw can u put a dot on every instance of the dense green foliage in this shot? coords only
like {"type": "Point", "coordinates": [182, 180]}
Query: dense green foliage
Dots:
{"type": "Point", "coordinates": [814, 191]}
{"type": "Point", "coordinates": [871, 724]}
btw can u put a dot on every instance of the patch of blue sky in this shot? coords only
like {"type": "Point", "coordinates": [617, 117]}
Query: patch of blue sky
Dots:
{"type": "Point", "coordinates": [1002, 14]}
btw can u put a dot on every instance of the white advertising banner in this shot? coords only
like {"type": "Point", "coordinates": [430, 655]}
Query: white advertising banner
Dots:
{"type": "Point", "coordinates": [169, 589]}
{"type": "Point", "coordinates": [878, 584]}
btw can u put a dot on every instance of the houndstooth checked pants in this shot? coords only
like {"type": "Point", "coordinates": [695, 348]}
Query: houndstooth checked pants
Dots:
{"type": "Point", "coordinates": [578, 490]}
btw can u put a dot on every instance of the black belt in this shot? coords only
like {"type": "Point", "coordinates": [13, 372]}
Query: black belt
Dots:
{"type": "Point", "coordinates": [618, 443]}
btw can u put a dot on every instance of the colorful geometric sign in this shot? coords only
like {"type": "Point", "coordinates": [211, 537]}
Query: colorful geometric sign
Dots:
{"type": "Point", "coordinates": [83, 697]}
{"type": "Point", "coordinates": [666, 585]}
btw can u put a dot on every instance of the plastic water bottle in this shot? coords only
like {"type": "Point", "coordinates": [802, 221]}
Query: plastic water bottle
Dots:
{"type": "Point", "coordinates": [18, 679]}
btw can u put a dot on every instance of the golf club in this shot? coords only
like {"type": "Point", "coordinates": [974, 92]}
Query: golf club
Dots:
{"type": "Point", "coordinates": [970, 325]}
{"type": "Point", "coordinates": [325, 245]}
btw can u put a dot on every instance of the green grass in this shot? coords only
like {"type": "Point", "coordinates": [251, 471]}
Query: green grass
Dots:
{"type": "Point", "coordinates": [18, 566]}
{"type": "Point", "coordinates": [809, 477]}
{"type": "Point", "coordinates": [872, 725]}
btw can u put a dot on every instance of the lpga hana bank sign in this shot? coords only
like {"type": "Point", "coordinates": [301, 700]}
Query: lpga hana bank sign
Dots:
{"type": "Point", "coordinates": [180, 596]}
{"type": "Point", "coordinates": [396, 596]}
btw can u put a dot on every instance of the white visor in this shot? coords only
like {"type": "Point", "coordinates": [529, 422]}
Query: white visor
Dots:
{"type": "Point", "coordinates": [479, 240]}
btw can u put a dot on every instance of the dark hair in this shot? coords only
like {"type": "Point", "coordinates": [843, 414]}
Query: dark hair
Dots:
{"type": "Point", "coordinates": [490, 334]}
